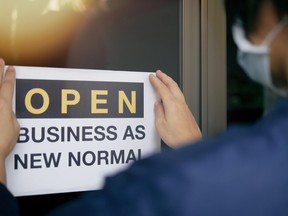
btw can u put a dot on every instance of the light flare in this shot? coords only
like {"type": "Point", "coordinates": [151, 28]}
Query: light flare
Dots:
{"type": "Point", "coordinates": [14, 17]}
{"type": "Point", "coordinates": [37, 30]}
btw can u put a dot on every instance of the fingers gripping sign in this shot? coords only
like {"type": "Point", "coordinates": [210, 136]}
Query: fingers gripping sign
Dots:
{"type": "Point", "coordinates": [174, 121]}
{"type": "Point", "coordinates": [9, 127]}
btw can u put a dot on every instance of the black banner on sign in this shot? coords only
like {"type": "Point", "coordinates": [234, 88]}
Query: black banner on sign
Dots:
{"type": "Point", "coordinates": [78, 99]}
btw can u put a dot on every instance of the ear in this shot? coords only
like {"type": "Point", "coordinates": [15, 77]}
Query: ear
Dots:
{"type": "Point", "coordinates": [267, 19]}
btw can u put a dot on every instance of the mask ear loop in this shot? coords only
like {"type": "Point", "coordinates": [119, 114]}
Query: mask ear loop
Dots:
{"type": "Point", "coordinates": [276, 30]}
{"type": "Point", "coordinates": [268, 40]}
{"type": "Point", "coordinates": [242, 42]}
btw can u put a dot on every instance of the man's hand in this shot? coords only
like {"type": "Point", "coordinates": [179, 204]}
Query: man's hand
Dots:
{"type": "Point", "coordinates": [173, 119]}
{"type": "Point", "coordinates": [9, 126]}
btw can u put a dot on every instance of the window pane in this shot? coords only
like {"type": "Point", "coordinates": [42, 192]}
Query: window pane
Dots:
{"type": "Point", "coordinates": [134, 35]}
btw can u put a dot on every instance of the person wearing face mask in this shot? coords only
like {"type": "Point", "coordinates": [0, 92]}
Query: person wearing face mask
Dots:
{"type": "Point", "coordinates": [242, 171]}
{"type": "Point", "coordinates": [254, 58]}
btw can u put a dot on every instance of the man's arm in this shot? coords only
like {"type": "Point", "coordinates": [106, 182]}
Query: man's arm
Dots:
{"type": "Point", "coordinates": [9, 127]}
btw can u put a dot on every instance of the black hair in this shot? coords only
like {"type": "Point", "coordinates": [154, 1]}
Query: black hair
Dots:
{"type": "Point", "coordinates": [247, 11]}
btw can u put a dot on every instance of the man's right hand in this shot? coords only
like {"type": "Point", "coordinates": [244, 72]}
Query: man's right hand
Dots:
{"type": "Point", "coordinates": [173, 119]}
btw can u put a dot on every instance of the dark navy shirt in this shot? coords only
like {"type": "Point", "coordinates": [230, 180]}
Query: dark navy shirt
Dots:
{"type": "Point", "coordinates": [8, 203]}
{"type": "Point", "coordinates": [243, 171]}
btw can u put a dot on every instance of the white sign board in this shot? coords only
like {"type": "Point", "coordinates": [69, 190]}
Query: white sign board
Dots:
{"type": "Point", "coordinates": [78, 126]}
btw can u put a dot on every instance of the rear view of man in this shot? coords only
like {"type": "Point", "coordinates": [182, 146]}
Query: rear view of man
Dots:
{"type": "Point", "coordinates": [241, 172]}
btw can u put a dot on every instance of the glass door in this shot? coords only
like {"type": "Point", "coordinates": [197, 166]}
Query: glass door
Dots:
{"type": "Point", "coordinates": [184, 38]}
{"type": "Point", "coordinates": [132, 35]}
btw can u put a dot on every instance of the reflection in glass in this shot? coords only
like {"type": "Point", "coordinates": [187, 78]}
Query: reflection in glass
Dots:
{"type": "Point", "coordinates": [135, 35]}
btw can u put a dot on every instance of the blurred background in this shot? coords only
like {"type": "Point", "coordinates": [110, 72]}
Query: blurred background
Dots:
{"type": "Point", "coordinates": [96, 34]}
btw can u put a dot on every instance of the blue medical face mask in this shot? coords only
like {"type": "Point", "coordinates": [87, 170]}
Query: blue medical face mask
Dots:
{"type": "Point", "coordinates": [254, 59]}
